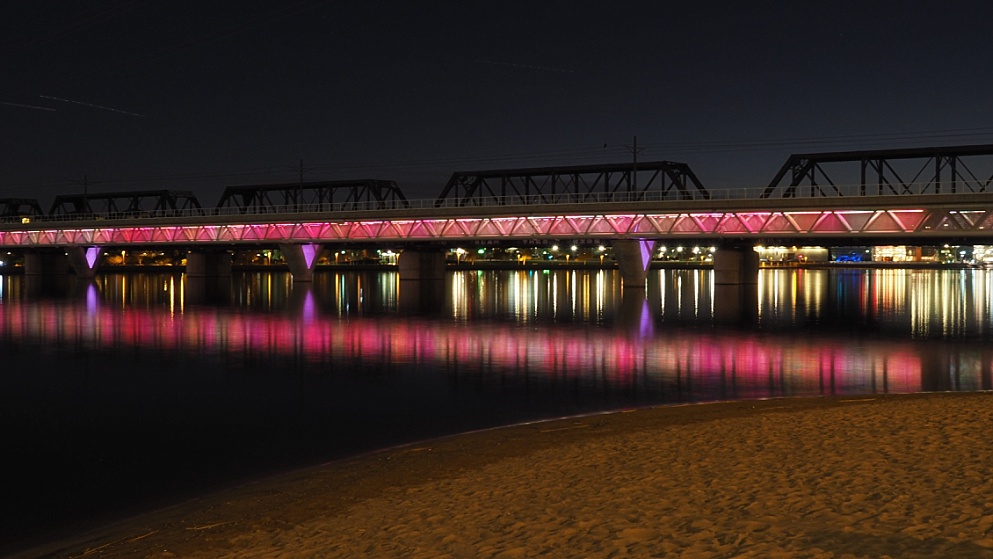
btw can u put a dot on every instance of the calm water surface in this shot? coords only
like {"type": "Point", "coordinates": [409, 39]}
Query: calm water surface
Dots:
{"type": "Point", "coordinates": [140, 390]}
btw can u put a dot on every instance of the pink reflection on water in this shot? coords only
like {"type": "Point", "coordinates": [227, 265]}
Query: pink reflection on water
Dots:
{"type": "Point", "coordinates": [92, 298]}
{"type": "Point", "coordinates": [731, 365]}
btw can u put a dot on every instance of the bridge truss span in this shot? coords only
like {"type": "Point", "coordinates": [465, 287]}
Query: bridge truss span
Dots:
{"type": "Point", "coordinates": [343, 195]}
{"type": "Point", "coordinates": [660, 180]}
{"type": "Point", "coordinates": [120, 204]}
{"type": "Point", "coordinates": [799, 225]}
{"type": "Point", "coordinates": [908, 171]}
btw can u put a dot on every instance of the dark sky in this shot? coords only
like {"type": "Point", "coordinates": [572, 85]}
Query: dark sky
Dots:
{"type": "Point", "coordinates": [197, 95]}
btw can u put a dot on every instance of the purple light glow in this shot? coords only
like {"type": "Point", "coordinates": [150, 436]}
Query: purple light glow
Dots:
{"type": "Point", "coordinates": [309, 254]}
{"type": "Point", "coordinates": [91, 256]}
{"type": "Point", "coordinates": [646, 247]}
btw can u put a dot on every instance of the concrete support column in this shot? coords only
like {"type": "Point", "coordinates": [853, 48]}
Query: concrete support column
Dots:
{"type": "Point", "coordinates": [736, 279]}
{"type": "Point", "coordinates": [208, 264]}
{"type": "Point", "coordinates": [46, 272]}
{"type": "Point", "coordinates": [422, 281]}
{"type": "Point", "coordinates": [44, 262]}
{"type": "Point", "coordinates": [301, 259]}
{"type": "Point", "coordinates": [736, 266]}
{"type": "Point", "coordinates": [84, 261]}
{"type": "Point", "coordinates": [633, 257]}
{"type": "Point", "coordinates": [208, 277]}
{"type": "Point", "coordinates": [421, 265]}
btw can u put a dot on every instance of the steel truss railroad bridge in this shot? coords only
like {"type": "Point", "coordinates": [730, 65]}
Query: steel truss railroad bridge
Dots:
{"type": "Point", "coordinates": [920, 195]}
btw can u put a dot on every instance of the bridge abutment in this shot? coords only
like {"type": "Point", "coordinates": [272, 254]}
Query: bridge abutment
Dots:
{"type": "Point", "coordinates": [301, 259]}
{"type": "Point", "coordinates": [633, 257]}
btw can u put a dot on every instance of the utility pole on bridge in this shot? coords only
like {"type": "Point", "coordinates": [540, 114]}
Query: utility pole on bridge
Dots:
{"type": "Point", "coordinates": [635, 150]}
{"type": "Point", "coordinates": [86, 193]}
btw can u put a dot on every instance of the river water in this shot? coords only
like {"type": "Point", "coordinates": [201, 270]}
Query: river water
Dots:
{"type": "Point", "coordinates": [135, 391]}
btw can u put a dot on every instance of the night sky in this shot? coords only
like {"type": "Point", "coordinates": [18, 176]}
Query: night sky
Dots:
{"type": "Point", "coordinates": [196, 95]}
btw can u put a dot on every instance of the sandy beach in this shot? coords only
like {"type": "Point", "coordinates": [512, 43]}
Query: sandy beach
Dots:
{"type": "Point", "coordinates": [887, 476]}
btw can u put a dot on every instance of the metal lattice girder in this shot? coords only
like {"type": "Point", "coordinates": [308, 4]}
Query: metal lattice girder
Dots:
{"type": "Point", "coordinates": [153, 202]}
{"type": "Point", "coordinates": [874, 173]}
{"type": "Point", "coordinates": [325, 195]}
{"type": "Point", "coordinates": [893, 225]}
{"type": "Point", "coordinates": [623, 181]}
{"type": "Point", "coordinates": [14, 207]}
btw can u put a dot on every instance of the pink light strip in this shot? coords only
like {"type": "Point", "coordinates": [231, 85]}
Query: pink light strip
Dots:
{"type": "Point", "coordinates": [879, 223]}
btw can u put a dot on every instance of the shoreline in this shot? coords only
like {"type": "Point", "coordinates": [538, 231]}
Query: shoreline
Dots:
{"type": "Point", "coordinates": [601, 483]}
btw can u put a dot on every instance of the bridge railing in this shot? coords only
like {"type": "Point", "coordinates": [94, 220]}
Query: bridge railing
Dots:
{"type": "Point", "coordinates": [379, 207]}
{"type": "Point", "coordinates": [547, 202]}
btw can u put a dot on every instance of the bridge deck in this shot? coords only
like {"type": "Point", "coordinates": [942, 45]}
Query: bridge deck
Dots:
{"type": "Point", "coordinates": [926, 217]}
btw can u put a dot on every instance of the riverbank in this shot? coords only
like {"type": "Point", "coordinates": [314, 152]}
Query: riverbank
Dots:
{"type": "Point", "coordinates": [899, 476]}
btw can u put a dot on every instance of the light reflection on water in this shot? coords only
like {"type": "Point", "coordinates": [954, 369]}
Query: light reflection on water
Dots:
{"type": "Point", "coordinates": [923, 304]}
{"type": "Point", "coordinates": [805, 326]}
{"type": "Point", "coordinates": [147, 386]}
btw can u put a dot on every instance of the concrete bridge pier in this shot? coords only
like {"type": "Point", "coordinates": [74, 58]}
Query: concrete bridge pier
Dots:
{"type": "Point", "coordinates": [301, 259]}
{"type": "Point", "coordinates": [421, 265]}
{"type": "Point", "coordinates": [208, 264]}
{"type": "Point", "coordinates": [208, 277]}
{"type": "Point", "coordinates": [736, 290]}
{"type": "Point", "coordinates": [46, 262]}
{"type": "Point", "coordinates": [633, 257]}
{"type": "Point", "coordinates": [84, 260]}
{"type": "Point", "coordinates": [46, 272]}
{"type": "Point", "coordinates": [422, 281]}
{"type": "Point", "coordinates": [736, 266]}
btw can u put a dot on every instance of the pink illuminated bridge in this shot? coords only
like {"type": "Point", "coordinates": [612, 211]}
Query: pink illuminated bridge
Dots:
{"type": "Point", "coordinates": [739, 215]}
